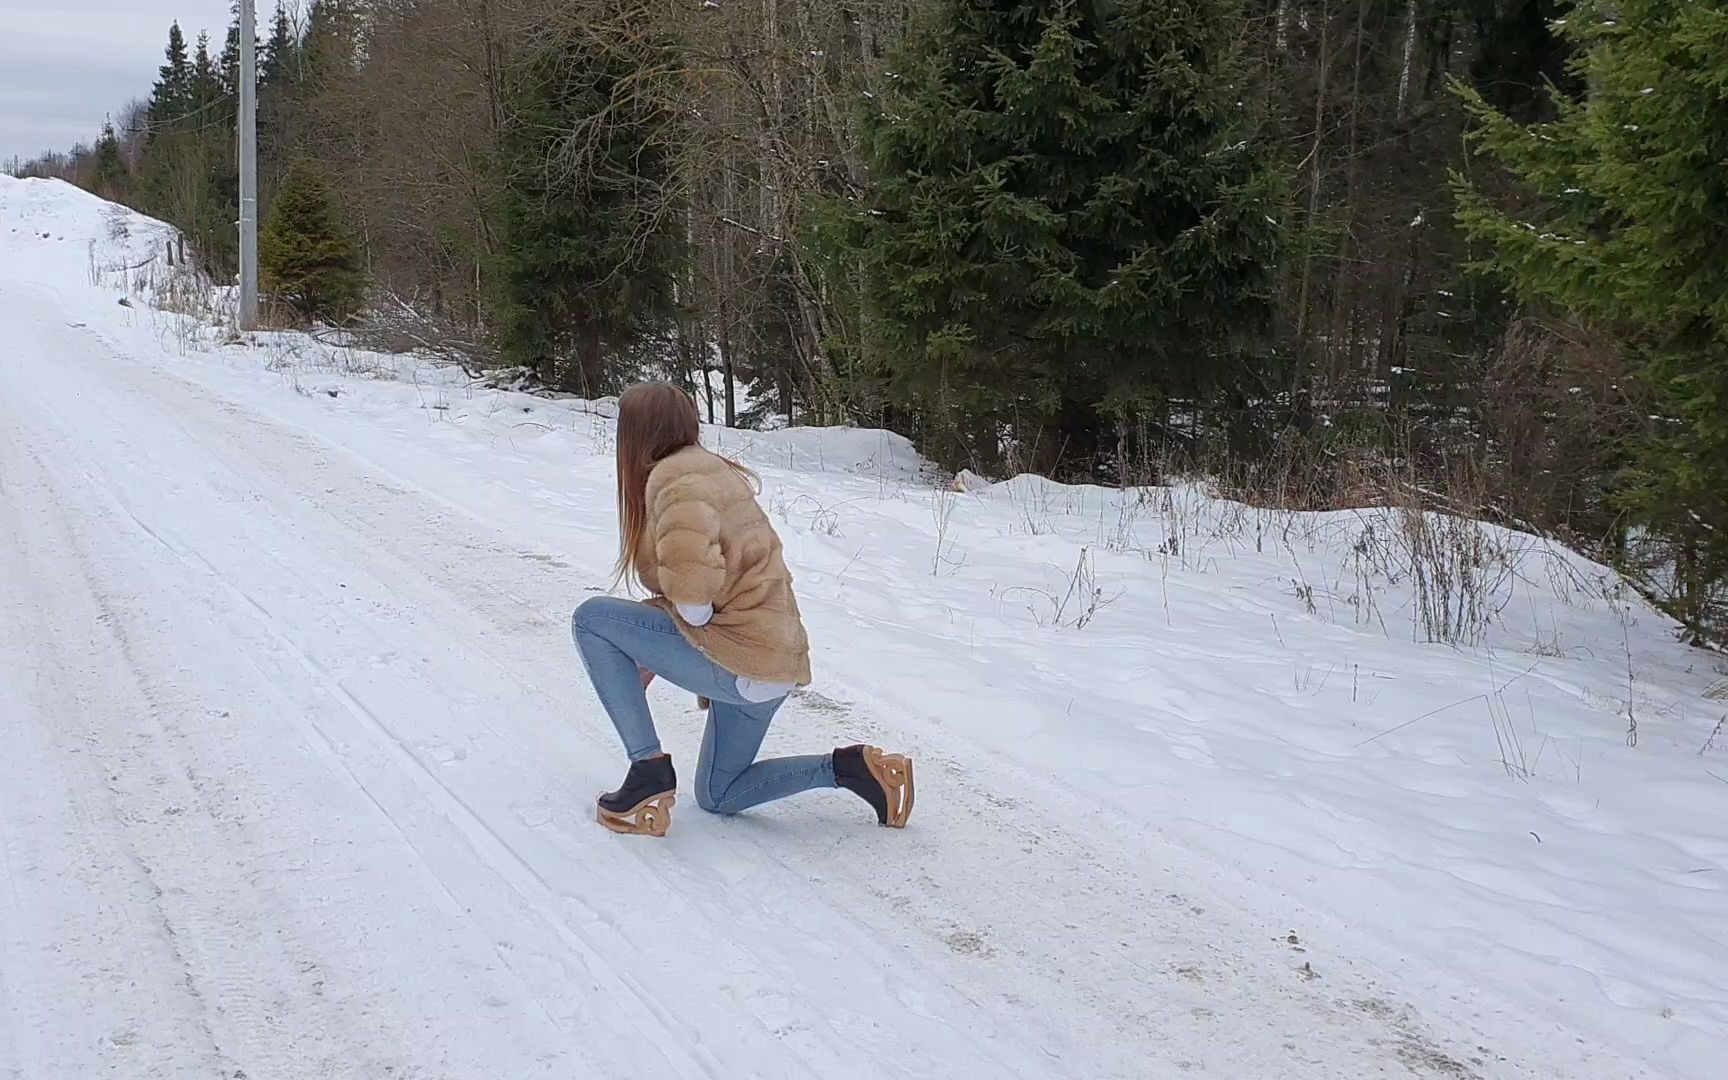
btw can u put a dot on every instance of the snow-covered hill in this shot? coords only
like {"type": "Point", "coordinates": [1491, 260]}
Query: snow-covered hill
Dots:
{"type": "Point", "coordinates": [298, 758]}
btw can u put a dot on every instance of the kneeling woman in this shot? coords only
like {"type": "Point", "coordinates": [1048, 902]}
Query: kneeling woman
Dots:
{"type": "Point", "coordinates": [721, 622]}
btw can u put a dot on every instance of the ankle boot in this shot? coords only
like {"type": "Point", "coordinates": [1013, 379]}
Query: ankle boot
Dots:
{"type": "Point", "coordinates": [643, 805]}
{"type": "Point", "coordinates": [883, 780]}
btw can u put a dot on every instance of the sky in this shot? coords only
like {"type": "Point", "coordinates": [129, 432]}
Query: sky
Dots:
{"type": "Point", "coordinates": [66, 64]}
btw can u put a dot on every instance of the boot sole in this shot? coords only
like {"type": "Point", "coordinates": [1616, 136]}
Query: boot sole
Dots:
{"type": "Point", "coordinates": [650, 817]}
{"type": "Point", "coordinates": [894, 773]}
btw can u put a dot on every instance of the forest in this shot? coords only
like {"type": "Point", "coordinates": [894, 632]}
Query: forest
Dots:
{"type": "Point", "coordinates": [1467, 254]}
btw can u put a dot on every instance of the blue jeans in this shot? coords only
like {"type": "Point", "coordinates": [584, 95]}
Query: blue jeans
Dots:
{"type": "Point", "coordinates": [616, 636]}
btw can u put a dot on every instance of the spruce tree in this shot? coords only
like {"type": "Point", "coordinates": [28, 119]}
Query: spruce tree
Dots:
{"type": "Point", "coordinates": [305, 258]}
{"type": "Point", "coordinates": [278, 75]}
{"type": "Point", "coordinates": [1627, 231]}
{"type": "Point", "coordinates": [170, 99]}
{"type": "Point", "coordinates": [228, 67]}
{"type": "Point", "coordinates": [276, 59]}
{"type": "Point", "coordinates": [332, 44]}
{"type": "Point", "coordinates": [190, 170]}
{"type": "Point", "coordinates": [1067, 223]}
{"type": "Point", "coordinates": [110, 166]}
{"type": "Point", "coordinates": [186, 164]}
{"type": "Point", "coordinates": [588, 247]}
{"type": "Point", "coordinates": [206, 80]}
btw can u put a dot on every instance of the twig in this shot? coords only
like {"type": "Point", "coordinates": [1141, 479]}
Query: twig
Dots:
{"type": "Point", "coordinates": [1714, 732]}
{"type": "Point", "coordinates": [1424, 716]}
{"type": "Point", "coordinates": [1631, 716]}
{"type": "Point", "coordinates": [849, 563]}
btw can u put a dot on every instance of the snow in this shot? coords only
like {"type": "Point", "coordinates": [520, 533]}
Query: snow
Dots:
{"type": "Point", "coordinates": [299, 756]}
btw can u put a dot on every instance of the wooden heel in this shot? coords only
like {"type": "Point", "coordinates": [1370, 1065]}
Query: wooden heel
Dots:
{"type": "Point", "coordinates": [894, 773]}
{"type": "Point", "coordinates": [650, 817]}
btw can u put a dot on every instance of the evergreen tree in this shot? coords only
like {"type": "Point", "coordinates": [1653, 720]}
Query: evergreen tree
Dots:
{"type": "Point", "coordinates": [206, 81]}
{"type": "Point", "coordinates": [187, 152]}
{"type": "Point", "coordinates": [188, 173]}
{"type": "Point", "coordinates": [170, 99]}
{"type": "Point", "coordinates": [110, 166]}
{"type": "Point", "coordinates": [332, 44]}
{"type": "Point", "coordinates": [305, 258]}
{"type": "Point", "coordinates": [1067, 223]}
{"type": "Point", "coordinates": [324, 113]}
{"type": "Point", "coordinates": [1627, 232]}
{"type": "Point", "coordinates": [588, 250]}
{"type": "Point", "coordinates": [229, 65]}
{"type": "Point", "coordinates": [281, 115]}
{"type": "Point", "coordinates": [276, 60]}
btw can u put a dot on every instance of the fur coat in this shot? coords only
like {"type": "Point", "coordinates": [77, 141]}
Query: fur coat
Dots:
{"type": "Point", "coordinates": [706, 541]}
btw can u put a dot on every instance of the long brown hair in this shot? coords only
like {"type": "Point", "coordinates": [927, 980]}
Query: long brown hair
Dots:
{"type": "Point", "coordinates": [655, 421]}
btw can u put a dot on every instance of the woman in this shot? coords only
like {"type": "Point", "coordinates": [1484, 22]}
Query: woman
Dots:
{"type": "Point", "coordinates": [721, 622]}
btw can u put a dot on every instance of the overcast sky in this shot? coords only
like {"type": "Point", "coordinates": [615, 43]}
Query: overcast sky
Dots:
{"type": "Point", "coordinates": [65, 64]}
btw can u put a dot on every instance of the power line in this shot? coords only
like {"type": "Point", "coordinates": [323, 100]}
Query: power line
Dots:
{"type": "Point", "coordinates": [158, 125]}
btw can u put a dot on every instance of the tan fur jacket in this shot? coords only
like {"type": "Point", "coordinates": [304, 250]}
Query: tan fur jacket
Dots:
{"type": "Point", "coordinates": [706, 541]}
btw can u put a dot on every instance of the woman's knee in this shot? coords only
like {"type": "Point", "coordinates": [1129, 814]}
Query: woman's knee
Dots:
{"type": "Point", "coordinates": [588, 609]}
{"type": "Point", "coordinates": [707, 798]}
{"type": "Point", "coordinates": [592, 609]}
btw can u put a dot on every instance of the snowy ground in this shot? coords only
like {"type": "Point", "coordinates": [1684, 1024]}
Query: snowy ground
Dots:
{"type": "Point", "coordinates": [298, 760]}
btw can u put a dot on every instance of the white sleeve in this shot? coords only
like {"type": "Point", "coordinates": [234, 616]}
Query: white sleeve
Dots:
{"type": "Point", "coordinates": [760, 693]}
{"type": "Point", "coordinates": [696, 614]}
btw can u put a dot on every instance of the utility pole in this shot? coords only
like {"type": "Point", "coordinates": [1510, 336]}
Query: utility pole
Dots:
{"type": "Point", "coordinates": [248, 169]}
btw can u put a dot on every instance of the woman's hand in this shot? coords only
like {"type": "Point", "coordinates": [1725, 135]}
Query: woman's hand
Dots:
{"type": "Point", "coordinates": [647, 676]}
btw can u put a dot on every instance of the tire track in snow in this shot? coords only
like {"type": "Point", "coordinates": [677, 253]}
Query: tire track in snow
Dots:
{"type": "Point", "coordinates": [214, 904]}
{"type": "Point", "coordinates": [122, 736]}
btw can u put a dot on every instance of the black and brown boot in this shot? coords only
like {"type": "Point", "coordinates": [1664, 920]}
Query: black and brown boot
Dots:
{"type": "Point", "coordinates": [643, 806]}
{"type": "Point", "coordinates": [881, 779]}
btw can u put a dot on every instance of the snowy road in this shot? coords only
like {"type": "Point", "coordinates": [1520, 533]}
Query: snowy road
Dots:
{"type": "Point", "coordinates": [293, 790]}
{"type": "Point", "coordinates": [300, 798]}
{"type": "Point", "coordinates": [296, 781]}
